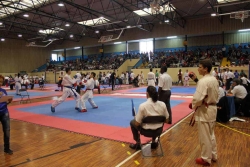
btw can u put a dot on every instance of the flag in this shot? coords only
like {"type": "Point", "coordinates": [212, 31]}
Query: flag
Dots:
{"type": "Point", "coordinates": [133, 107]}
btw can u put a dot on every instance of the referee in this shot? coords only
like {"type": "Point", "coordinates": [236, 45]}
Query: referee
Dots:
{"type": "Point", "coordinates": [164, 91]}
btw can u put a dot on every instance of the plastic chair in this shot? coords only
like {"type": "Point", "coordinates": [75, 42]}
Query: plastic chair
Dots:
{"type": "Point", "coordinates": [152, 133]}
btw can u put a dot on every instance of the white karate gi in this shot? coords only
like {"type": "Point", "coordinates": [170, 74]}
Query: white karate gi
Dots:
{"type": "Point", "coordinates": [151, 79]}
{"type": "Point", "coordinates": [18, 84]}
{"type": "Point", "coordinates": [88, 95]}
{"type": "Point", "coordinates": [186, 79]}
{"type": "Point", "coordinates": [142, 79]}
{"type": "Point", "coordinates": [68, 81]}
{"type": "Point", "coordinates": [127, 79]}
{"type": "Point", "coordinates": [206, 115]}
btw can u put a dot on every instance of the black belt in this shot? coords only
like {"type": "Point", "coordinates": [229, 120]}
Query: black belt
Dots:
{"type": "Point", "coordinates": [70, 87]}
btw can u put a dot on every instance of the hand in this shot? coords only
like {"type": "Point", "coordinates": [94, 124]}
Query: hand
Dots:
{"type": "Point", "coordinates": [190, 105]}
{"type": "Point", "coordinates": [9, 100]}
{"type": "Point", "coordinates": [192, 75]}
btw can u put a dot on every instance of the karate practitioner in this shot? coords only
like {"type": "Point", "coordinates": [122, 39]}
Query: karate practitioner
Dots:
{"type": "Point", "coordinates": [204, 104]}
{"type": "Point", "coordinates": [18, 80]}
{"type": "Point", "coordinates": [127, 77]}
{"type": "Point", "coordinates": [151, 78]}
{"type": "Point", "coordinates": [68, 90]}
{"type": "Point", "coordinates": [186, 78]}
{"type": "Point", "coordinates": [88, 95]}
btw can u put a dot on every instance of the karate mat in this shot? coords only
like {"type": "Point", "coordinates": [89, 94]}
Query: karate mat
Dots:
{"type": "Point", "coordinates": [110, 121]}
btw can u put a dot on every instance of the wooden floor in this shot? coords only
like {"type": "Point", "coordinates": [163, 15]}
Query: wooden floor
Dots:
{"type": "Point", "coordinates": [40, 146]}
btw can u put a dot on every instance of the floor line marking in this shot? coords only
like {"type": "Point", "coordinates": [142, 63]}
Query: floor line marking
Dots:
{"type": "Point", "coordinates": [125, 160]}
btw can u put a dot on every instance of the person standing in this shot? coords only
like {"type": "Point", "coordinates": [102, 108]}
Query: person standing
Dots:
{"type": "Point", "coordinates": [142, 78]}
{"type": "Point", "coordinates": [186, 78]}
{"type": "Point", "coordinates": [88, 95]}
{"type": "Point", "coordinates": [164, 90]}
{"type": "Point", "coordinates": [127, 78]}
{"type": "Point", "coordinates": [180, 77]}
{"type": "Point", "coordinates": [204, 104]}
{"type": "Point", "coordinates": [151, 78]}
{"type": "Point", "coordinates": [18, 80]}
{"type": "Point", "coordinates": [68, 90]}
{"type": "Point", "coordinates": [113, 78]}
{"type": "Point", "coordinates": [5, 118]}
{"type": "Point", "coordinates": [156, 76]}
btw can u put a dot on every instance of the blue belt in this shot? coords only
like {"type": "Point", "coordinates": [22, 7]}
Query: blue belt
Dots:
{"type": "Point", "coordinates": [70, 87]}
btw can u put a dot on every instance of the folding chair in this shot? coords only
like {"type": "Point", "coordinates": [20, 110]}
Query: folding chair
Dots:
{"type": "Point", "coordinates": [24, 94]}
{"type": "Point", "coordinates": [152, 133]}
{"type": "Point", "coordinates": [104, 87]}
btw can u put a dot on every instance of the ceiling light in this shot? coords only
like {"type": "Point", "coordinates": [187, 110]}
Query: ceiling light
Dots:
{"type": "Point", "coordinates": [71, 36]}
{"type": "Point", "coordinates": [41, 31]}
{"type": "Point", "coordinates": [60, 4]}
{"type": "Point", "coordinates": [2, 39]}
{"type": "Point", "coordinates": [1, 23]}
{"type": "Point", "coordinates": [244, 30]}
{"type": "Point", "coordinates": [77, 47]}
{"type": "Point", "coordinates": [97, 31]}
{"type": "Point", "coordinates": [67, 25]}
{"type": "Point", "coordinates": [25, 15]}
{"type": "Point", "coordinates": [101, 17]}
{"type": "Point", "coordinates": [166, 21]}
{"type": "Point", "coordinates": [117, 42]}
{"type": "Point", "coordinates": [170, 37]}
{"type": "Point", "coordinates": [128, 26]}
{"type": "Point", "coordinates": [213, 14]}
{"type": "Point", "coordinates": [19, 35]}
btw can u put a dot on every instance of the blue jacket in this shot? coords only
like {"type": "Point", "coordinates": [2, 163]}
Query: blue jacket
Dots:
{"type": "Point", "coordinates": [3, 105]}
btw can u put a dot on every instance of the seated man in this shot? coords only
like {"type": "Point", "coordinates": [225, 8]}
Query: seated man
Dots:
{"type": "Point", "coordinates": [238, 91]}
{"type": "Point", "coordinates": [152, 107]}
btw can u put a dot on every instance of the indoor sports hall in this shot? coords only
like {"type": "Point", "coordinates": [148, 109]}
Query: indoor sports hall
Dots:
{"type": "Point", "coordinates": [40, 39]}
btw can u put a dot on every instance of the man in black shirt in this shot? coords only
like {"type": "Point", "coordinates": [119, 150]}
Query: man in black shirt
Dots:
{"type": "Point", "coordinates": [112, 78]}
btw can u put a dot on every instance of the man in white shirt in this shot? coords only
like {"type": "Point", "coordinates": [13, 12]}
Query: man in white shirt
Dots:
{"type": "Point", "coordinates": [204, 104]}
{"type": "Point", "coordinates": [215, 72]}
{"type": "Point", "coordinates": [151, 78]}
{"type": "Point", "coordinates": [88, 95]}
{"type": "Point", "coordinates": [68, 90]}
{"type": "Point", "coordinates": [230, 77]}
{"type": "Point", "coordinates": [152, 107]}
{"type": "Point", "coordinates": [238, 91]}
{"type": "Point", "coordinates": [164, 90]}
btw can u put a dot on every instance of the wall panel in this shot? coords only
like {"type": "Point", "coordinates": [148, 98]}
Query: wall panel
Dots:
{"type": "Point", "coordinates": [115, 48]}
{"type": "Point", "coordinates": [133, 46]}
{"type": "Point", "coordinates": [15, 56]}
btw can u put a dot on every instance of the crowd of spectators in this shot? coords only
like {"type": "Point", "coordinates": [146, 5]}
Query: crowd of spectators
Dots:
{"type": "Point", "coordinates": [236, 55]}
{"type": "Point", "coordinates": [93, 62]}
{"type": "Point", "coordinates": [172, 58]}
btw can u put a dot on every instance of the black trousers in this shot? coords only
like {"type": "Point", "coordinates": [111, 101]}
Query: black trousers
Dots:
{"type": "Point", "coordinates": [164, 96]}
{"type": "Point", "coordinates": [135, 131]}
{"type": "Point", "coordinates": [5, 120]}
{"type": "Point", "coordinates": [113, 83]}
{"type": "Point", "coordinates": [12, 86]}
{"type": "Point", "coordinates": [228, 83]}
{"type": "Point", "coordinates": [31, 86]}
